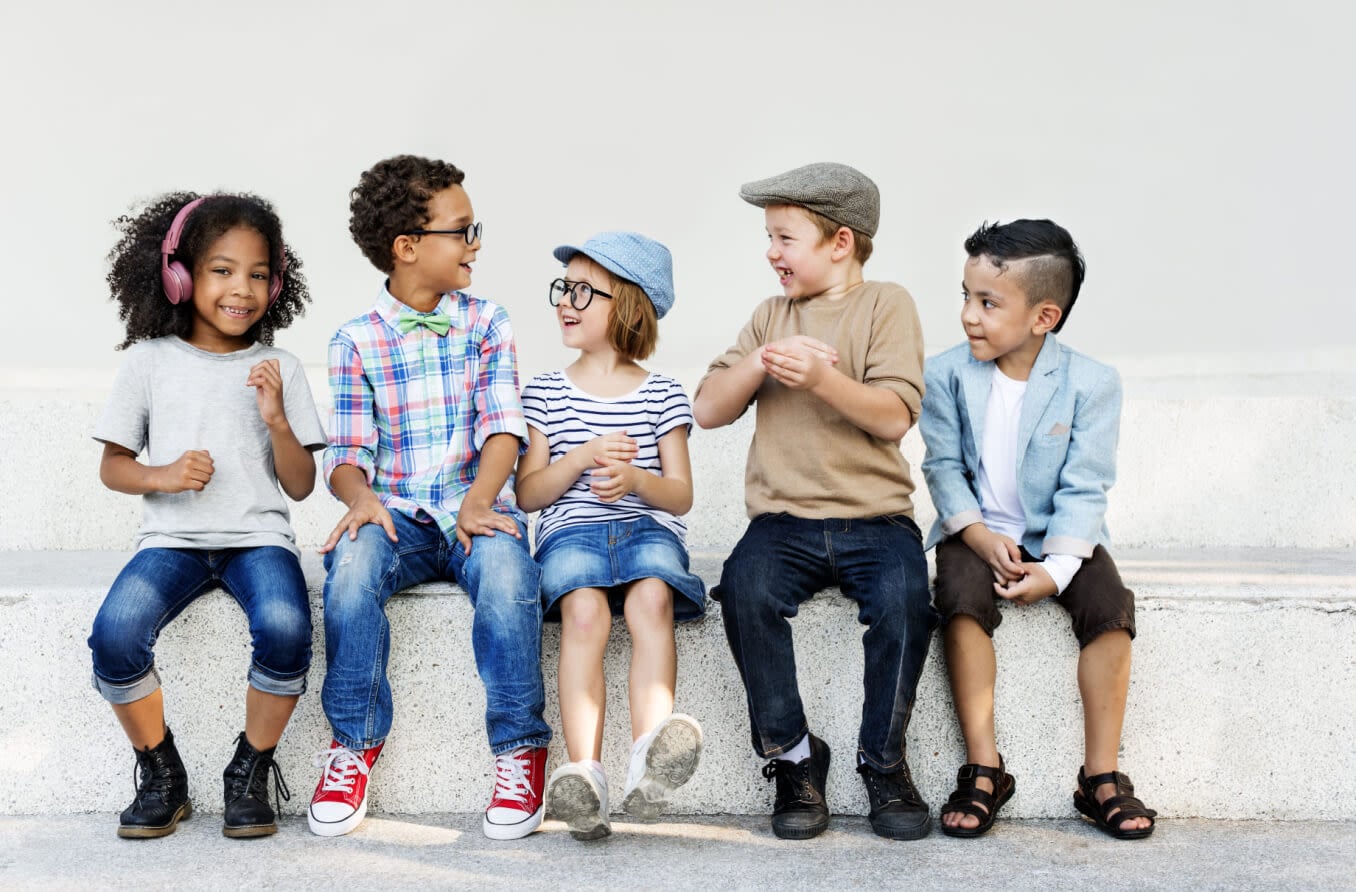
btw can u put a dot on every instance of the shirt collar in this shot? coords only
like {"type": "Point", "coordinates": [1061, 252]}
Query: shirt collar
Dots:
{"type": "Point", "coordinates": [389, 307]}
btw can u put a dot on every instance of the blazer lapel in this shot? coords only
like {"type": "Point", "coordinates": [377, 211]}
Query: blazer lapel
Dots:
{"type": "Point", "coordinates": [1040, 389]}
{"type": "Point", "coordinates": [976, 378]}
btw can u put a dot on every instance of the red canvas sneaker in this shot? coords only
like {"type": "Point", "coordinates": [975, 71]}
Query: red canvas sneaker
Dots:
{"type": "Point", "coordinates": [516, 804]}
{"type": "Point", "coordinates": [340, 801]}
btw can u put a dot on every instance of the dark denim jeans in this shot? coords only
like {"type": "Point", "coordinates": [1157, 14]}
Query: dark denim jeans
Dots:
{"type": "Point", "coordinates": [158, 583]}
{"type": "Point", "coordinates": [782, 561]}
{"type": "Point", "coordinates": [503, 583]}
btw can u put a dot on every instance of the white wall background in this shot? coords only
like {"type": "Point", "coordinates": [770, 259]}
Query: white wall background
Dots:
{"type": "Point", "coordinates": [1200, 151]}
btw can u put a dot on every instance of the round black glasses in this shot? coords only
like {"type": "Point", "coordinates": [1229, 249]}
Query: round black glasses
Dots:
{"type": "Point", "coordinates": [470, 233]}
{"type": "Point", "coordinates": [581, 293]}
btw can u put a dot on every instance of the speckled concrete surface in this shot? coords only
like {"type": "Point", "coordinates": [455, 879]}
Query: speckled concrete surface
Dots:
{"type": "Point", "coordinates": [1243, 696]}
{"type": "Point", "coordinates": [1212, 471]}
{"type": "Point", "coordinates": [447, 851]}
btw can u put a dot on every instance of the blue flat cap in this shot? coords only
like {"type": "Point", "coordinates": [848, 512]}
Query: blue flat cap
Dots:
{"type": "Point", "coordinates": [633, 257]}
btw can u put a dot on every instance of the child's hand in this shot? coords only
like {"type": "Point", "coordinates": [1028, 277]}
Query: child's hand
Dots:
{"type": "Point", "coordinates": [192, 470]}
{"type": "Point", "coordinates": [613, 480]}
{"type": "Point", "coordinates": [1002, 554]}
{"type": "Point", "coordinates": [799, 362]}
{"type": "Point", "coordinates": [616, 446]}
{"type": "Point", "coordinates": [367, 508]}
{"type": "Point", "coordinates": [1034, 586]}
{"type": "Point", "coordinates": [266, 379]}
{"type": "Point", "coordinates": [475, 519]}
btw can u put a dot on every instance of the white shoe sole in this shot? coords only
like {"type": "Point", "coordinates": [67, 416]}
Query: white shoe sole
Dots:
{"type": "Point", "coordinates": [513, 831]}
{"type": "Point", "coordinates": [670, 763]}
{"type": "Point", "coordinates": [336, 828]}
{"type": "Point", "coordinates": [573, 800]}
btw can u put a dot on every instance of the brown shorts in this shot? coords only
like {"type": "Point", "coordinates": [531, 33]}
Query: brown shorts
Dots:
{"type": "Point", "coordinates": [1096, 599]}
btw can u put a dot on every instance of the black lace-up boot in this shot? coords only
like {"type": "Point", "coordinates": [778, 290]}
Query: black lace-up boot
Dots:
{"type": "Point", "coordinates": [246, 791]}
{"type": "Point", "coordinates": [162, 793]}
{"type": "Point", "coordinates": [897, 811]}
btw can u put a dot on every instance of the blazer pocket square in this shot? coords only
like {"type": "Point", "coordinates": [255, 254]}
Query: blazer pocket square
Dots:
{"type": "Point", "coordinates": [1058, 430]}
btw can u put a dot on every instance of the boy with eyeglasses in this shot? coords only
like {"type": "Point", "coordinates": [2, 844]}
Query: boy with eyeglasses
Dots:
{"type": "Point", "coordinates": [426, 430]}
{"type": "Point", "coordinates": [835, 366]}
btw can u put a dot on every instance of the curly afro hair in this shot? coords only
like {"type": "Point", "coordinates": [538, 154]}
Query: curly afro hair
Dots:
{"type": "Point", "coordinates": [134, 275]}
{"type": "Point", "coordinates": [392, 198]}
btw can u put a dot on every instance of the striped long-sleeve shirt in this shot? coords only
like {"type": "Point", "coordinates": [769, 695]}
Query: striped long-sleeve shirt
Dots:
{"type": "Point", "coordinates": [570, 417]}
{"type": "Point", "coordinates": [414, 410]}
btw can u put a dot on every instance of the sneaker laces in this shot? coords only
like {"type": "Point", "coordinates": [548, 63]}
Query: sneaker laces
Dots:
{"type": "Point", "coordinates": [511, 781]}
{"type": "Point", "coordinates": [793, 779]}
{"type": "Point", "coordinates": [341, 766]}
{"type": "Point", "coordinates": [895, 787]}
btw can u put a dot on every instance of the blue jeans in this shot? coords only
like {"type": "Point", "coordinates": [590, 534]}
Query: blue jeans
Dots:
{"type": "Point", "coordinates": [158, 583]}
{"type": "Point", "coordinates": [502, 581]}
{"type": "Point", "coordinates": [780, 562]}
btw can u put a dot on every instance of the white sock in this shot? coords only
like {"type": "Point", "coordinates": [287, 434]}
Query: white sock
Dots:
{"type": "Point", "coordinates": [798, 753]}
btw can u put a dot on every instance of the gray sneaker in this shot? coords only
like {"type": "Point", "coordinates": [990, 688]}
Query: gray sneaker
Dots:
{"type": "Point", "coordinates": [577, 795]}
{"type": "Point", "coordinates": [661, 762]}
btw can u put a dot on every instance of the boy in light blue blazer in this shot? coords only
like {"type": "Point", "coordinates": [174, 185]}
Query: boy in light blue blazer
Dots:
{"type": "Point", "coordinates": [1021, 450]}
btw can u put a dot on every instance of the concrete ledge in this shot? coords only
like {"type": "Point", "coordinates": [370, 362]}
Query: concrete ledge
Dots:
{"type": "Point", "coordinates": [1244, 691]}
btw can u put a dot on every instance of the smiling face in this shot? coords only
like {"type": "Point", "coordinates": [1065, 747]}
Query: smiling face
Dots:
{"type": "Point", "coordinates": [586, 329]}
{"type": "Point", "coordinates": [1000, 324]}
{"type": "Point", "coordinates": [230, 290]}
{"type": "Point", "coordinates": [799, 254]}
{"type": "Point", "coordinates": [442, 263]}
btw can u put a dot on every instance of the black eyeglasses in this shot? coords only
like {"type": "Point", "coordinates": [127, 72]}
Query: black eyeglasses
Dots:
{"type": "Point", "coordinates": [581, 293]}
{"type": "Point", "coordinates": [470, 233]}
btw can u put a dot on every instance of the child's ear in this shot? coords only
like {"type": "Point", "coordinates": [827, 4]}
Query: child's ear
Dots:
{"type": "Point", "coordinates": [402, 249]}
{"type": "Point", "coordinates": [844, 242]}
{"type": "Point", "coordinates": [1048, 315]}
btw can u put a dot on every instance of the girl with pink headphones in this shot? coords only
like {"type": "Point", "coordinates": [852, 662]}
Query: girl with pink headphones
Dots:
{"type": "Point", "coordinates": [206, 421]}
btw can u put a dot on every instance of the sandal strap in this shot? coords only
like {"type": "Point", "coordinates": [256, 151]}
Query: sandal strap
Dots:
{"type": "Point", "coordinates": [1119, 778]}
{"type": "Point", "coordinates": [970, 770]}
{"type": "Point", "coordinates": [973, 807]}
{"type": "Point", "coordinates": [1125, 808]}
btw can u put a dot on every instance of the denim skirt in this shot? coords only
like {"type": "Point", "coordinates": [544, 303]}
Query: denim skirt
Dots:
{"type": "Point", "coordinates": [610, 555]}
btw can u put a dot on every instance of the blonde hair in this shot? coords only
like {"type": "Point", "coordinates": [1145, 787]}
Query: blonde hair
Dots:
{"type": "Point", "coordinates": [633, 327]}
{"type": "Point", "coordinates": [861, 242]}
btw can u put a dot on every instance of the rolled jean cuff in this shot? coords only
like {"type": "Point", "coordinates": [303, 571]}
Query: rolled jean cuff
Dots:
{"type": "Point", "coordinates": [127, 692]}
{"type": "Point", "coordinates": [526, 741]}
{"type": "Point", "coordinates": [281, 687]}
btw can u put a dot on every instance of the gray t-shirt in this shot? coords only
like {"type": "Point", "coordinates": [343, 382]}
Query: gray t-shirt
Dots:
{"type": "Point", "coordinates": [170, 397]}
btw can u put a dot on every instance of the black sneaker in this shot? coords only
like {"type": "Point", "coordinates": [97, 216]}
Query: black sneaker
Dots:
{"type": "Point", "coordinates": [897, 811]}
{"type": "Point", "coordinates": [801, 811]}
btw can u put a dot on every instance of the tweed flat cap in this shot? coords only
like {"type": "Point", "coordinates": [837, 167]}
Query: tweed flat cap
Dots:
{"type": "Point", "coordinates": [633, 257]}
{"type": "Point", "coordinates": [843, 194]}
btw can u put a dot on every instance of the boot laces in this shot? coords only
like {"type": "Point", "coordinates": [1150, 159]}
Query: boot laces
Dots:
{"type": "Point", "coordinates": [511, 781]}
{"type": "Point", "coordinates": [255, 784]}
{"type": "Point", "coordinates": [341, 766]}
{"type": "Point", "coordinates": [151, 775]}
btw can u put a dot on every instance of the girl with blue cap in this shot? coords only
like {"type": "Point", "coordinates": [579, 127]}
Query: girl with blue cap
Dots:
{"type": "Point", "coordinates": [607, 466]}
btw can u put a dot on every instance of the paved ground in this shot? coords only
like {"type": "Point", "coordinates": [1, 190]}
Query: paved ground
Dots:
{"type": "Point", "coordinates": [448, 852]}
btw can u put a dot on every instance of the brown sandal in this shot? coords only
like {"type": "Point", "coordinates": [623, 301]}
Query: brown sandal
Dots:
{"type": "Point", "coordinates": [1121, 806]}
{"type": "Point", "coordinates": [971, 800]}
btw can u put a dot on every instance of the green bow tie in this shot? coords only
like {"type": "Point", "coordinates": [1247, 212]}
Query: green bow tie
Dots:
{"type": "Point", "coordinates": [438, 323]}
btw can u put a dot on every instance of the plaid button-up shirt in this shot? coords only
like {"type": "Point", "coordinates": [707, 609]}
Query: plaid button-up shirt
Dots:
{"type": "Point", "coordinates": [414, 410]}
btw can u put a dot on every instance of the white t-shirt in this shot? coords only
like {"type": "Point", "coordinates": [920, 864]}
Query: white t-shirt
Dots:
{"type": "Point", "coordinates": [999, 501]}
{"type": "Point", "coordinates": [170, 397]}
{"type": "Point", "coordinates": [569, 417]}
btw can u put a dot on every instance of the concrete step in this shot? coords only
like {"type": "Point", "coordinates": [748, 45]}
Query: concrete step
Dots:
{"type": "Point", "coordinates": [1198, 472]}
{"type": "Point", "coordinates": [447, 851]}
{"type": "Point", "coordinates": [1243, 693]}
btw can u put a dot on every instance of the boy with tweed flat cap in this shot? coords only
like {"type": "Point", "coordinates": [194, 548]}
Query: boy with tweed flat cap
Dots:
{"type": "Point", "coordinates": [835, 366]}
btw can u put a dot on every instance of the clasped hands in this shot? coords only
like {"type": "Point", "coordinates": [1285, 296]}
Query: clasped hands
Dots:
{"type": "Point", "coordinates": [1015, 580]}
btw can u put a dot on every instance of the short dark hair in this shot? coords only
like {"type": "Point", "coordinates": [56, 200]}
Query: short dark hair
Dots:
{"type": "Point", "coordinates": [1056, 269]}
{"type": "Point", "coordinates": [134, 272]}
{"type": "Point", "coordinates": [392, 198]}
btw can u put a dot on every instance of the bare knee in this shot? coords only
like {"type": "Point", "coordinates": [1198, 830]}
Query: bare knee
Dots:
{"type": "Point", "coordinates": [585, 615]}
{"type": "Point", "coordinates": [649, 605]}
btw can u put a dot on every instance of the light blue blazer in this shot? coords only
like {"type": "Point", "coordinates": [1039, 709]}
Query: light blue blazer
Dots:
{"type": "Point", "coordinates": [1071, 417]}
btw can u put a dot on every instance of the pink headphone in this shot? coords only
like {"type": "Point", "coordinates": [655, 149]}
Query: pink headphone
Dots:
{"type": "Point", "coordinates": [176, 278]}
